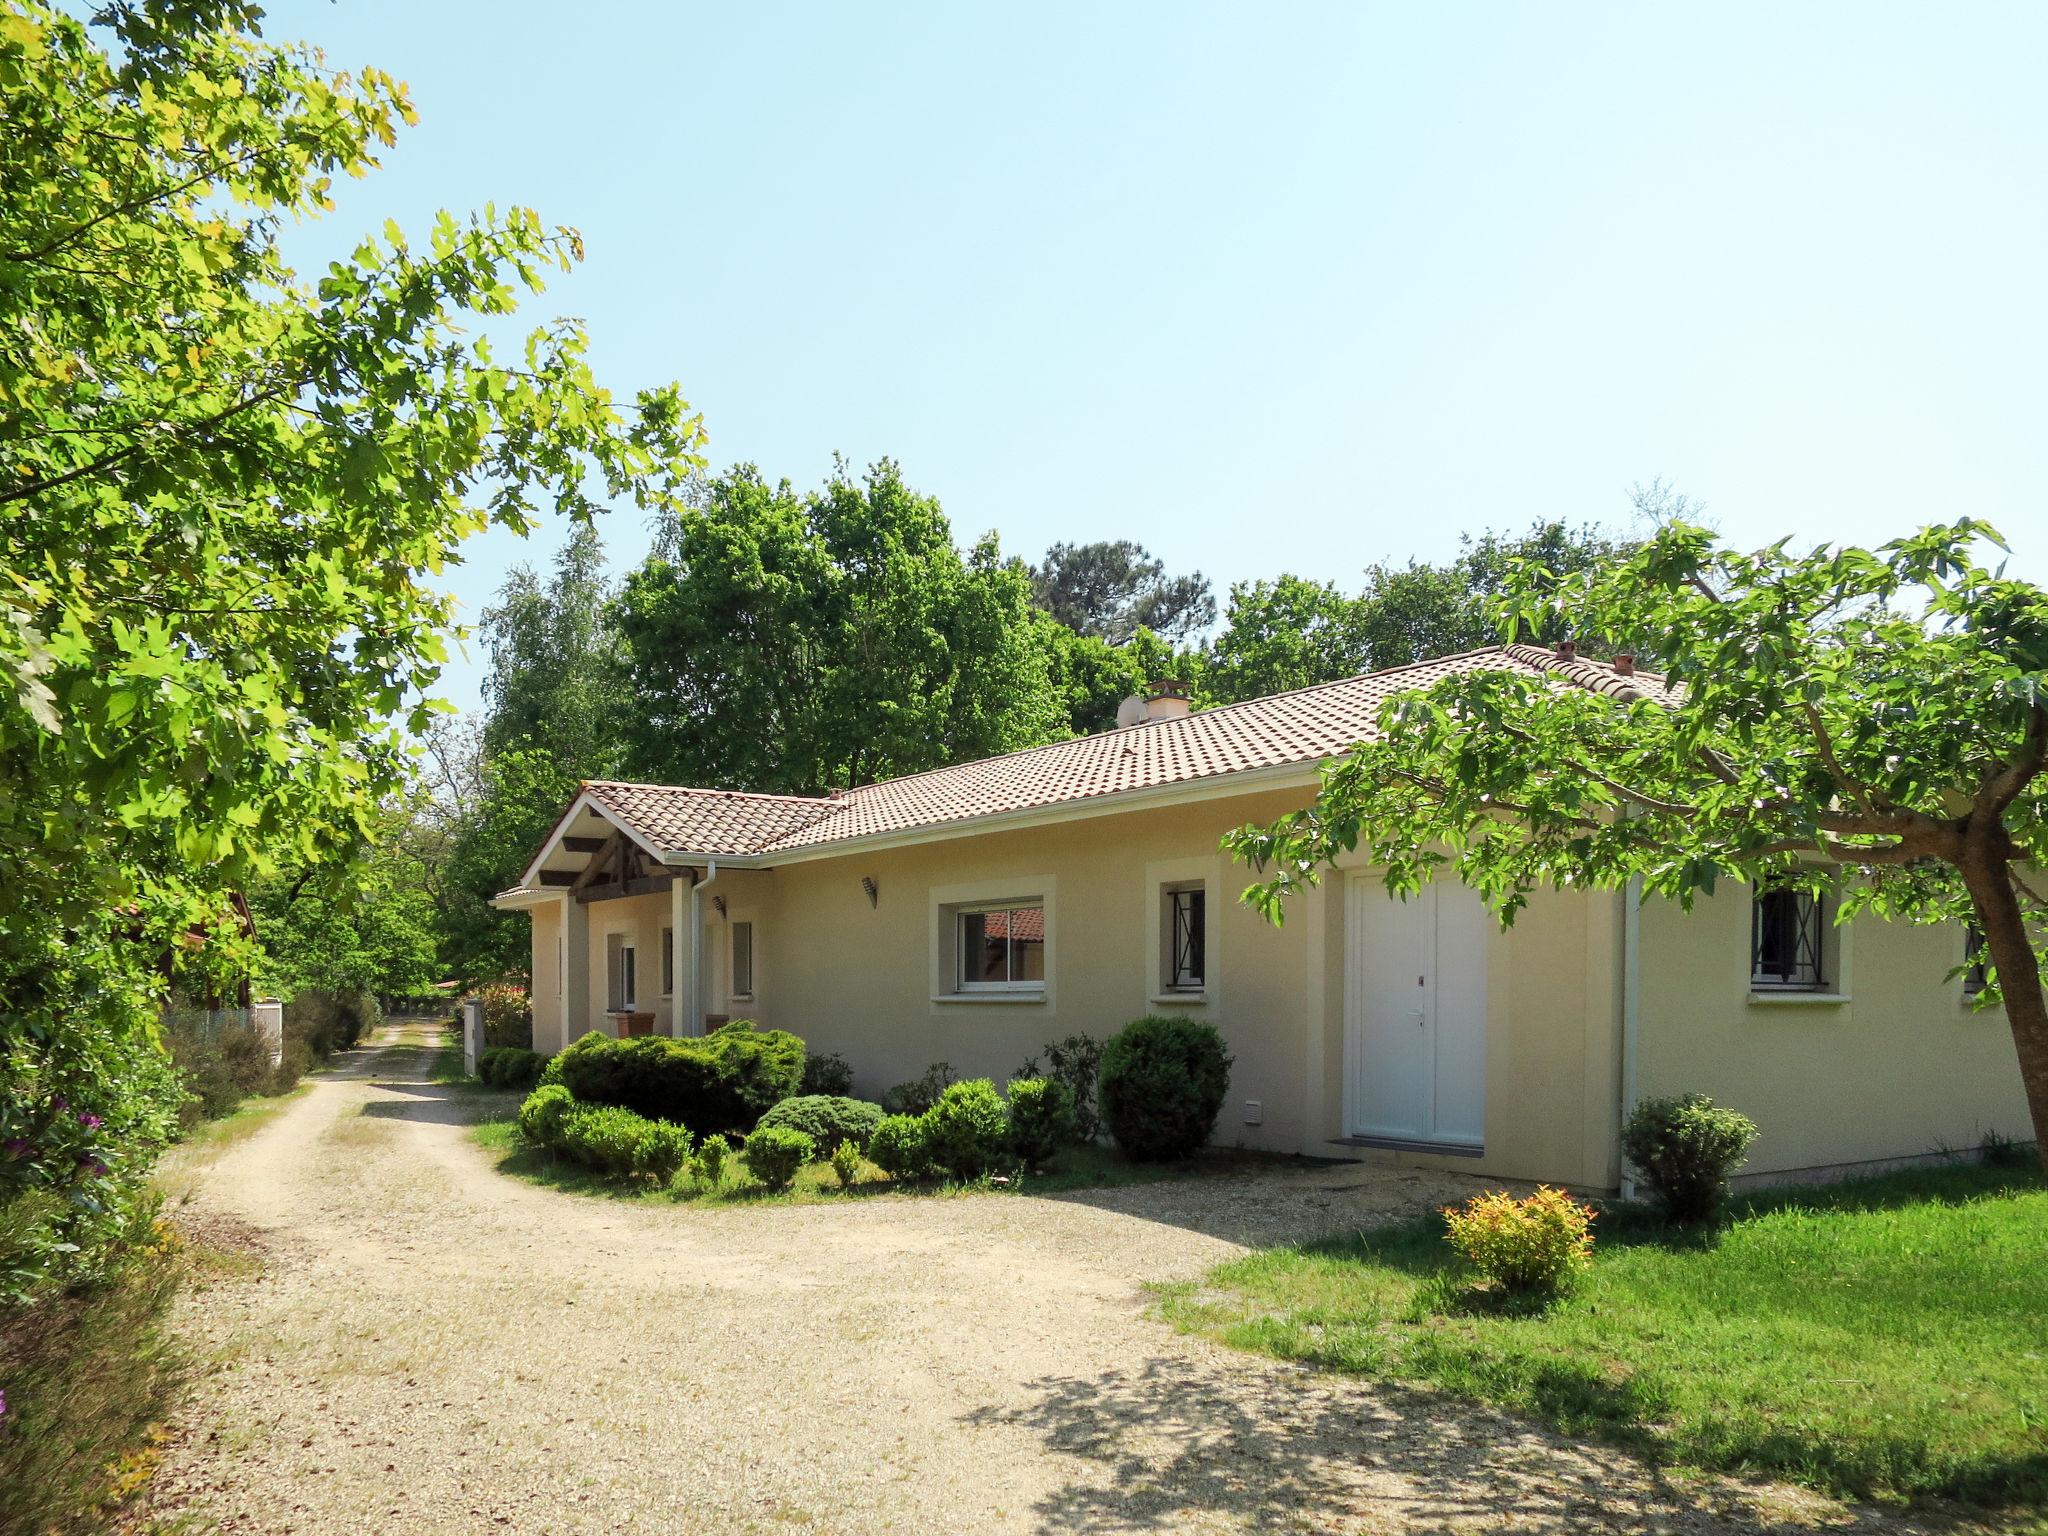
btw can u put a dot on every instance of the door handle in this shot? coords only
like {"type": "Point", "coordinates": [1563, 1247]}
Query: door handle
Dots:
{"type": "Point", "coordinates": [1418, 1016]}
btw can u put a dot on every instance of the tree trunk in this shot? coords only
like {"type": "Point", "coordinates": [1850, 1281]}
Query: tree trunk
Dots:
{"type": "Point", "coordinates": [2019, 977]}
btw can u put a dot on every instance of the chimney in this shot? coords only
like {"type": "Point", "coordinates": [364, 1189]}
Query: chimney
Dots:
{"type": "Point", "coordinates": [1567, 650]}
{"type": "Point", "coordinates": [1624, 665]}
{"type": "Point", "coordinates": [1166, 699]}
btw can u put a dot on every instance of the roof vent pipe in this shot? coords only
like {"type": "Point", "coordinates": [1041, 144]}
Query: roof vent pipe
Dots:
{"type": "Point", "coordinates": [1166, 699]}
{"type": "Point", "coordinates": [1624, 665]}
{"type": "Point", "coordinates": [1567, 650]}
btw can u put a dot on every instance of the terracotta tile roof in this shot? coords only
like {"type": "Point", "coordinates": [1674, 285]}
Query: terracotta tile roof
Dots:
{"type": "Point", "coordinates": [1299, 728]}
{"type": "Point", "coordinates": [713, 821]}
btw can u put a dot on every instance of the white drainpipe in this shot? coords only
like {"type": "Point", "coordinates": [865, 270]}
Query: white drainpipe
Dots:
{"type": "Point", "coordinates": [697, 946]}
{"type": "Point", "coordinates": [1631, 1007]}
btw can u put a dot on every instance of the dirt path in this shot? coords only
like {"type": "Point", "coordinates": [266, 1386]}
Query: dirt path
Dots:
{"type": "Point", "coordinates": [435, 1347]}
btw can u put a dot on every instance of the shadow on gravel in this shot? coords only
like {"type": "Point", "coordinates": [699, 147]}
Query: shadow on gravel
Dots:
{"type": "Point", "coordinates": [1175, 1443]}
{"type": "Point", "coordinates": [431, 1104]}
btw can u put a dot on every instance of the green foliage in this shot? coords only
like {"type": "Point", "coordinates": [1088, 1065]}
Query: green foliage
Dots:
{"type": "Point", "coordinates": [554, 649]}
{"type": "Point", "coordinates": [662, 1151]}
{"type": "Point", "coordinates": [1076, 1063]}
{"type": "Point", "coordinates": [1997, 1150]}
{"type": "Point", "coordinates": [829, 1074]}
{"type": "Point", "coordinates": [331, 1021]}
{"type": "Point", "coordinates": [844, 627]}
{"type": "Point", "coordinates": [827, 1120]}
{"type": "Point", "coordinates": [709, 1164]}
{"type": "Point", "coordinates": [604, 1137]}
{"type": "Point", "coordinates": [901, 1147]}
{"type": "Point", "coordinates": [727, 1079]}
{"type": "Point", "coordinates": [508, 1016]}
{"type": "Point", "coordinates": [88, 1374]}
{"type": "Point", "coordinates": [967, 1132]}
{"type": "Point", "coordinates": [1284, 634]}
{"type": "Point", "coordinates": [1684, 1149]}
{"type": "Point", "coordinates": [1163, 1082]}
{"type": "Point", "coordinates": [507, 1066]}
{"type": "Point", "coordinates": [920, 1093]}
{"type": "Point", "coordinates": [1041, 1118]}
{"type": "Point", "coordinates": [774, 1154]}
{"type": "Point", "coordinates": [1533, 1248]}
{"type": "Point", "coordinates": [521, 793]}
{"type": "Point", "coordinates": [222, 1064]}
{"type": "Point", "coordinates": [543, 1115]}
{"type": "Point", "coordinates": [1112, 589]}
{"type": "Point", "coordinates": [228, 495]}
{"type": "Point", "coordinates": [846, 1161]}
{"type": "Point", "coordinates": [1875, 711]}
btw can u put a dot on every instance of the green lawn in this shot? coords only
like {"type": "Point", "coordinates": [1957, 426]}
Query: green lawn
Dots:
{"type": "Point", "coordinates": [1074, 1168]}
{"type": "Point", "coordinates": [1885, 1337]}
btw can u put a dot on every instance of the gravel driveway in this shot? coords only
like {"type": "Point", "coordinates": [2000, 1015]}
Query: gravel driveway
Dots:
{"type": "Point", "coordinates": [432, 1346]}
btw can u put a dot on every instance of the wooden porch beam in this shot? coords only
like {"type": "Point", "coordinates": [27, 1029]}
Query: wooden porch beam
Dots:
{"type": "Point", "coordinates": [644, 885]}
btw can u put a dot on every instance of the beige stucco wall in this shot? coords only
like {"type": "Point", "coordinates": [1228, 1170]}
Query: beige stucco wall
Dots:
{"type": "Point", "coordinates": [1900, 1067]}
{"type": "Point", "coordinates": [546, 991]}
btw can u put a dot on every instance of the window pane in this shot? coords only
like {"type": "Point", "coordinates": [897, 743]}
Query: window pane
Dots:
{"type": "Point", "coordinates": [668, 961]}
{"type": "Point", "coordinates": [1027, 943]}
{"type": "Point", "coordinates": [983, 947]}
{"type": "Point", "coordinates": [628, 993]}
{"type": "Point", "coordinates": [743, 959]}
{"type": "Point", "coordinates": [1785, 939]}
{"type": "Point", "coordinates": [1186, 937]}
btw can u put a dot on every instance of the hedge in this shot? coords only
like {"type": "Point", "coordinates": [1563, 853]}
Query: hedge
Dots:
{"type": "Point", "coordinates": [827, 1120]}
{"type": "Point", "coordinates": [722, 1082]}
{"type": "Point", "coordinates": [507, 1066]}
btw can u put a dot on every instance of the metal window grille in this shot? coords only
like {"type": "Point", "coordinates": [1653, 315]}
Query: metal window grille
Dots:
{"type": "Point", "coordinates": [1785, 937]}
{"type": "Point", "coordinates": [1975, 964]}
{"type": "Point", "coordinates": [1188, 926]}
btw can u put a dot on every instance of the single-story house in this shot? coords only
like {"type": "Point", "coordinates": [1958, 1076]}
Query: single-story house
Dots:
{"type": "Point", "coordinates": [970, 914]}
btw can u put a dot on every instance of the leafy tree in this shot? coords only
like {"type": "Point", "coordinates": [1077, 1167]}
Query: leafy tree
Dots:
{"type": "Point", "coordinates": [369, 924]}
{"type": "Point", "coordinates": [1880, 717]}
{"type": "Point", "coordinates": [555, 662]}
{"type": "Point", "coordinates": [520, 795]}
{"type": "Point", "coordinates": [226, 491]}
{"type": "Point", "coordinates": [1286, 633]}
{"type": "Point", "coordinates": [798, 644]}
{"type": "Point", "coordinates": [1091, 678]}
{"type": "Point", "coordinates": [1293, 633]}
{"type": "Point", "coordinates": [1112, 589]}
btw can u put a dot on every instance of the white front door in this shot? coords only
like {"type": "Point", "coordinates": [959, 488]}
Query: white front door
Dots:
{"type": "Point", "coordinates": [1415, 1014]}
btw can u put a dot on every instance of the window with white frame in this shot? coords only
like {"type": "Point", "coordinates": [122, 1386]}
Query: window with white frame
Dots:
{"type": "Point", "coordinates": [742, 959]}
{"type": "Point", "coordinates": [1000, 947]}
{"type": "Point", "coordinates": [668, 962]}
{"type": "Point", "coordinates": [1184, 938]}
{"type": "Point", "coordinates": [621, 974]}
{"type": "Point", "coordinates": [1788, 941]}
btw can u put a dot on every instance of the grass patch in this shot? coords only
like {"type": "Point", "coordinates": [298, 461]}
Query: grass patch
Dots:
{"type": "Point", "coordinates": [1882, 1337]}
{"type": "Point", "coordinates": [1075, 1168]}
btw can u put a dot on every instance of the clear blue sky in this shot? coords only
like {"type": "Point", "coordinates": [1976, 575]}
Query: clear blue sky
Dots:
{"type": "Point", "coordinates": [1286, 292]}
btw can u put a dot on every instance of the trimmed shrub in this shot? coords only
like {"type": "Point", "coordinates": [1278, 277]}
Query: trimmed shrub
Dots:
{"type": "Point", "coordinates": [829, 1074]}
{"type": "Point", "coordinates": [775, 1153]}
{"type": "Point", "coordinates": [828, 1121]}
{"type": "Point", "coordinates": [1531, 1248]}
{"type": "Point", "coordinates": [507, 1066]}
{"type": "Point", "coordinates": [920, 1093]}
{"type": "Point", "coordinates": [663, 1150]}
{"type": "Point", "coordinates": [846, 1163]}
{"type": "Point", "coordinates": [541, 1116]}
{"type": "Point", "coordinates": [508, 1017]}
{"type": "Point", "coordinates": [900, 1147]}
{"type": "Point", "coordinates": [1041, 1118]}
{"type": "Point", "coordinates": [1077, 1062]}
{"type": "Point", "coordinates": [331, 1021]}
{"type": "Point", "coordinates": [968, 1131]}
{"type": "Point", "coordinates": [709, 1163]}
{"type": "Point", "coordinates": [1163, 1082]}
{"type": "Point", "coordinates": [1685, 1148]}
{"type": "Point", "coordinates": [724, 1081]}
{"type": "Point", "coordinates": [604, 1137]}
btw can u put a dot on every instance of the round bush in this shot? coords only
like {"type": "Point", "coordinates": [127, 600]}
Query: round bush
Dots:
{"type": "Point", "coordinates": [663, 1149]}
{"type": "Point", "coordinates": [541, 1116]}
{"type": "Point", "coordinates": [1041, 1118]}
{"type": "Point", "coordinates": [830, 1074]}
{"type": "Point", "coordinates": [827, 1120]}
{"type": "Point", "coordinates": [775, 1153]}
{"type": "Point", "coordinates": [604, 1137]}
{"type": "Point", "coordinates": [900, 1147]}
{"type": "Point", "coordinates": [968, 1131]}
{"type": "Point", "coordinates": [1684, 1149]}
{"type": "Point", "coordinates": [1532, 1248]}
{"type": "Point", "coordinates": [1163, 1082]}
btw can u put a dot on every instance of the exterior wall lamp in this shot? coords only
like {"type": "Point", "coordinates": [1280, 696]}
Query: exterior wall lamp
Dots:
{"type": "Point", "coordinates": [867, 883]}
